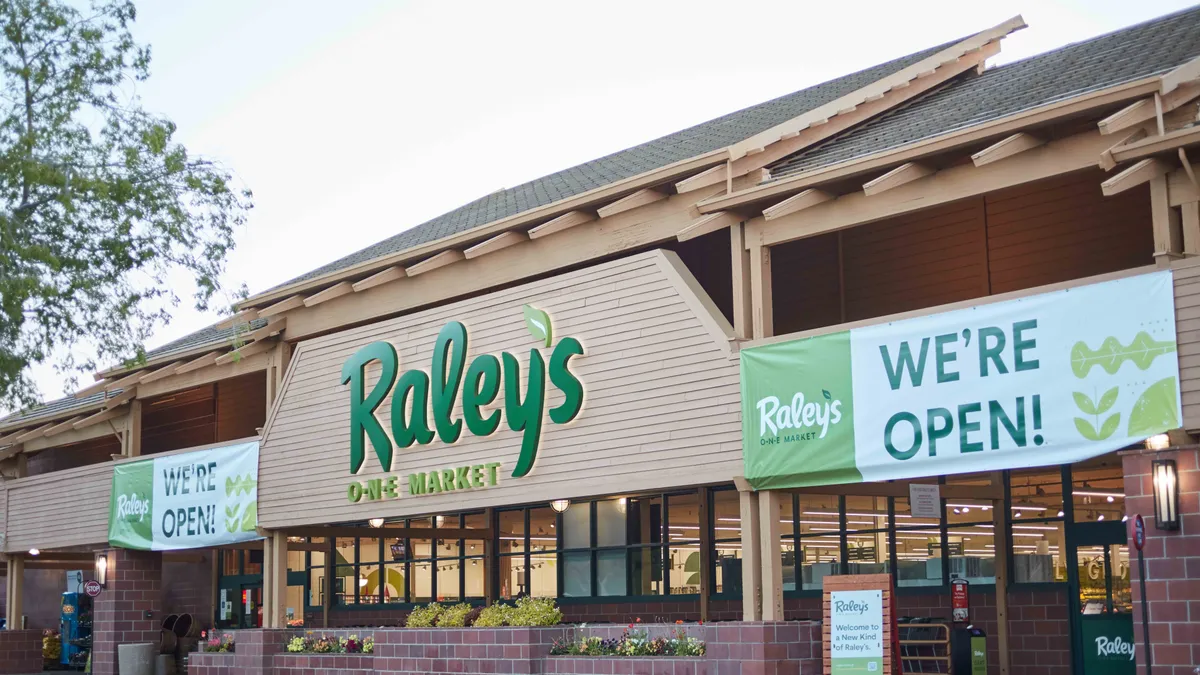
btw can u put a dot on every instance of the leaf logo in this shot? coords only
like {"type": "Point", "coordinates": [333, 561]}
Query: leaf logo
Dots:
{"type": "Point", "coordinates": [1142, 351]}
{"type": "Point", "coordinates": [827, 395]}
{"type": "Point", "coordinates": [1096, 409]}
{"type": "Point", "coordinates": [538, 323]}
{"type": "Point", "coordinates": [240, 485]}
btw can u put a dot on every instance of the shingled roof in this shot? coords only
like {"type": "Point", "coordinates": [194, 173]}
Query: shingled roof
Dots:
{"type": "Point", "coordinates": [679, 146]}
{"type": "Point", "coordinates": [1144, 50]}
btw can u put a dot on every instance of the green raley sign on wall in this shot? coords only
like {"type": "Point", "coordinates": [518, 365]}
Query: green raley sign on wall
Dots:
{"type": "Point", "coordinates": [422, 404]}
{"type": "Point", "coordinates": [1046, 379]}
{"type": "Point", "coordinates": [1108, 647]}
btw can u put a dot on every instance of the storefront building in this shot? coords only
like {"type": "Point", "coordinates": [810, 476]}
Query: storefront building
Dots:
{"type": "Point", "coordinates": [551, 391]}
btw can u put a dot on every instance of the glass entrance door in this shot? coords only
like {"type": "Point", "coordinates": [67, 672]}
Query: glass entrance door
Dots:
{"type": "Point", "coordinates": [1102, 605]}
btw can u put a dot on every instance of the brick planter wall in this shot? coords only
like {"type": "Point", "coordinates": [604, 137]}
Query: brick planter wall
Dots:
{"type": "Point", "coordinates": [20, 651]}
{"type": "Point", "coordinates": [119, 614]}
{"type": "Point", "coordinates": [312, 664]}
{"type": "Point", "coordinates": [599, 665]}
{"type": "Point", "coordinates": [431, 651]}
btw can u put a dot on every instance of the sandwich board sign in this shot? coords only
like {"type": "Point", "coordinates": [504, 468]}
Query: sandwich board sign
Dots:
{"type": "Point", "coordinates": [859, 629]}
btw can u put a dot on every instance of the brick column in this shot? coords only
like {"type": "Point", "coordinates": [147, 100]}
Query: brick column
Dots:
{"type": "Point", "coordinates": [119, 617]}
{"type": "Point", "coordinates": [1172, 563]}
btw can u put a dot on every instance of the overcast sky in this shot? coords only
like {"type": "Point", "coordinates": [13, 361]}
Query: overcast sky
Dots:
{"type": "Point", "coordinates": [354, 120]}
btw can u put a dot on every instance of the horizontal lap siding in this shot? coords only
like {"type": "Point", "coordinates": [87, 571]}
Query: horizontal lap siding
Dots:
{"type": "Point", "coordinates": [1065, 228]}
{"type": "Point", "coordinates": [1187, 326]}
{"type": "Point", "coordinates": [661, 405]}
{"type": "Point", "coordinates": [64, 508]}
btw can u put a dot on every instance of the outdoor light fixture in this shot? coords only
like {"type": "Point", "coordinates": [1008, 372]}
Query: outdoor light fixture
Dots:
{"type": "Point", "coordinates": [560, 505]}
{"type": "Point", "coordinates": [376, 522]}
{"type": "Point", "coordinates": [1166, 494]}
{"type": "Point", "coordinates": [34, 551]}
{"type": "Point", "coordinates": [102, 569]}
{"type": "Point", "coordinates": [1158, 442]}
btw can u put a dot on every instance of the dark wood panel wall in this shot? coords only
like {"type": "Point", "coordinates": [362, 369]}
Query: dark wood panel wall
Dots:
{"type": "Point", "coordinates": [1036, 234]}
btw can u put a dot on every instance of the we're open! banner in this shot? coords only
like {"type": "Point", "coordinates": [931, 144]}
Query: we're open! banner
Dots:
{"type": "Point", "coordinates": [189, 500]}
{"type": "Point", "coordinates": [1046, 379]}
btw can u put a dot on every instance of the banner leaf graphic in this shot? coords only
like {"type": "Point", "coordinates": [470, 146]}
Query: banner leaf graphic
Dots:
{"type": "Point", "coordinates": [1086, 429]}
{"type": "Point", "coordinates": [827, 395]}
{"type": "Point", "coordinates": [1109, 426]}
{"type": "Point", "coordinates": [240, 485]}
{"type": "Point", "coordinates": [232, 511]}
{"type": "Point", "coordinates": [1084, 403]}
{"type": "Point", "coordinates": [1112, 354]}
{"type": "Point", "coordinates": [1155, 410]}
{"type": "Point", "coordinates": [538, 323]}
{"type": "Point", "coordinates": [250, 517]}
{"type": "Point", "coordinates": [1107, 400]}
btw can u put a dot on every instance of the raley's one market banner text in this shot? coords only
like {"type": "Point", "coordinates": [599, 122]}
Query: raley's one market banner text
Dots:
{"type": "Point", "coordinates": [190, 500]}
{"type": "Point", "coordinates": [1047, 379]}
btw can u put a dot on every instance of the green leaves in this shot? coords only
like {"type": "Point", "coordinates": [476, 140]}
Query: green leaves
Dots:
{"type": "Point", "coordinates": [1090, 407]}
{"type": "Point", "coordinates": [1089, 432]}
{"type": "Point", "coordinates": [238, 485]}
{"type": "Point", "coordinates": [538, 323]}
{"type": "Point", "coordinates": [827, 395]}
{"type": "Point", "coordinates": [1112, 354]}
{"type": "Point", "coordinates": [1156, 410]}
{"type": "Point", "coordinates": [250, 517]}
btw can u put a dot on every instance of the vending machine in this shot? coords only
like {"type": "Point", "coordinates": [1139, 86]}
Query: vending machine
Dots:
{"type": "Point", "coordinates": [75, 629]}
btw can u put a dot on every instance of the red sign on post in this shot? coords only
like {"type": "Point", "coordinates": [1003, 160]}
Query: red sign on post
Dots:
{"type": "Point", "coordinates": [1139, 532]}
{"type": "Point", "coordinates": [960, 600]}
{"type": "Point", "coordinates": [92, 588]}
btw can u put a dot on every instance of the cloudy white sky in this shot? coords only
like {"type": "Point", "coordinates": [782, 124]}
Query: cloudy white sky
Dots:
{"type": "Point", "coordinates": [354, 120]}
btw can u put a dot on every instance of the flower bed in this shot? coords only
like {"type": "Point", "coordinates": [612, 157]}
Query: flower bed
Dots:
{"type": "Point", "coordinates": [330, 644]}
{"type": "Point", "coordinates": [632, 642]}
{"type": "Point", "coordinates": [223, 643]}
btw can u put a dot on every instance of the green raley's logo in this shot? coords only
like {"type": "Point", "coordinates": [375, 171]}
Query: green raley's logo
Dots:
{"type": "Point", "coordinates": [417, 394]}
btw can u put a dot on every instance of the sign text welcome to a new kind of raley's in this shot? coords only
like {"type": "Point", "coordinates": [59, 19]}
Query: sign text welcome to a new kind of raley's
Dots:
{"type": "Point", "coordinates": [187, 500]}
{"type": "Point", "coordinates": [1046, 379]}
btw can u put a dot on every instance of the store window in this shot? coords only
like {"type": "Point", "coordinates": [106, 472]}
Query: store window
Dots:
{"type": "Point", "coordinates": [970, 532]}
{"type": "Point", "coordinates": [683, 525]}
{"type": "Point", "coordinates": [727, 541]}
{"type": "Point", "coordinates": [819, 541]}
{"type": "Point", "coordinates": [1098, 491]}
{"type": "Point", "coordinates": [1038, 541]}
{"type": "Point", "coordinates": [918, 547]}
{"type": "Point", "coordinates": [867, 541]}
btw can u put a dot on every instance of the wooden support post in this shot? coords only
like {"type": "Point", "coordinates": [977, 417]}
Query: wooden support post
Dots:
{"type": "Point", "coordinates": [760, 291]}
{"type": "Point", "coordinates": [277, 364]}
{"type": "Point", "coordinates": [1190, 212]}
{"type": "Point", "coordinates": [490, 560]}
{"type": "Point", "coordinates": [279, 592]}
{"type": "Point", "coordinates": [16, 572]}
{"type": "Point", "coordinates": [1000, 538]}
{"type": "Point", "coordinates": [772, 562]}
{"type": "Point", "coordinates": [751, 557]}
{"type": "Point", "coordinates": [706, 551]}
{"type": "Point", "coordinates": [268, 575]}
{"type": "Point", "coordinates": [743, 316]}
{"type": "Point", "coordinates": [330, 568]}
{"type": "Point", "coordinates": [133, 430]}
{"type": "Point", "coordinates": [1168, 231]}
{"type": "Point", "coordinates": [10, 582]}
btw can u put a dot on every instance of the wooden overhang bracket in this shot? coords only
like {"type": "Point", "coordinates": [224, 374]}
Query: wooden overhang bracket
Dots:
{"type": "Point", "coordinates": [1012, 145]}
{"type": "Point", "coordinates": [797, 202]}
{"type": "Point", "coordinates": [1107, 161]}
{"type": "Point", "coordinates": [901, 175]}
{"type": "Point", "coordinates": [1142, 172]}
{"type": "Point", "coordinates": [708, 224]}
{"type": "Point", "coordinates": [1188, 169]}
{"type": "Point", "coordinates": [437, 261]}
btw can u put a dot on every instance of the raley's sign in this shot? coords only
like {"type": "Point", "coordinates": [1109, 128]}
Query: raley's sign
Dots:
{"type": "Point", "coordinates": [422, 404]}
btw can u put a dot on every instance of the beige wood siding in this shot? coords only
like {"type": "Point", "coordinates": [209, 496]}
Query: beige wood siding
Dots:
{"type": "Point", "coordinates": [1187, 326]}
{"type": "Point", "coordinates": [64, 508]}
{"type": "Point", "coordinates": [661, 406]}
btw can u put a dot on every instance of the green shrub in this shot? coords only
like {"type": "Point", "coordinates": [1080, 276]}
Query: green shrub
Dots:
{"type": "Point", "coordinates": [535, 612]}
{"type": "Point", "coordinates": [424, 617]}
{"type": "Point", "coordinates": [493, 616]}
{"type": "Point", "coordinates": [454, 616]}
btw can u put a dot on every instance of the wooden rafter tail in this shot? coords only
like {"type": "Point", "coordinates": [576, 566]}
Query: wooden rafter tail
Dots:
{"type": "Point", "coordinates": [711, 176]}
{"type": "Point", "coordinates": [11, 451]}
{"type": "Point", "coordinates": [97, 387]}
{"type": "Point", "coordinates": [1149, 108]}
{"type": "Point", "coordinates": [1143, 146]}
{"type": "Point", "coordinates": [165, 371]}
{"type": "Point", "coordinates": [124, 382]}
{"type": "Point", "coordinates": [121, 399]}
{"type": "Point", "coordinates": [629, 202]}
{"type": "Point", "coordinates": [1142, 172]}
{"type": "Point", "coordinates": [1108, 160]}
{"type": "Point", "coordinates": [62, 426]}
{"type": "Point", "coordinates": [565, 221]}
{"type": "Point", "coordinates": [1187, 72]}
{"type": "Point", "coordinates": [274, 327]}
{"type": "Point", "coordinates": [1012, 145]}
{"type": "Point", "coordinates": [447, 257]}
{"type": "Point", "coordinates": [901, 175]}
{"type": "Point", "coordinates": [496, 243]}
{"type": "Point", "coordinates": [11, 438]}
{"type": "Point", "coordinates": [335, 291]}
{"type": "Point", "coordinates": [244, 316]}
{"type": "Point", "coordinates": [708, 224]}
{"type": "Point", "coordinates": [799, 202]}
{"type": "Point", "coordinates": [102, 416]}
{"type": "Point", "coordinates": [380, 278]}
{"type": "Point", "coordinates": [198, 363]}
{"type": "Point", "coordinates": [1189, 170]}
{"type": "Point", "coordinates": [281, 307]}
{"type": "Point", "coordinates": [245, 351]}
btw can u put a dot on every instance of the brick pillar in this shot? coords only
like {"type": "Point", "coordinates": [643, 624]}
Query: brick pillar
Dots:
{"type": "Point", "coordinates": [1172, 563]}
{"type": "Point", "coordinates": [119, 617]}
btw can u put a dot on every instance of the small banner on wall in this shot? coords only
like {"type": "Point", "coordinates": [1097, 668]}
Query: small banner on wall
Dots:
{"type": "Point", "coordinates": [190, 500]}
{"type": "Point", "coordinates": [1047, 379]}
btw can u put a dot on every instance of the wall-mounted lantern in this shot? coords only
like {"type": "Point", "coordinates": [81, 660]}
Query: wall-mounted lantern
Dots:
{"type": "Point", "coordinates": [560, 505]}
{"type": "Point", "coordinates": [102, 568]}
{"type": "Point", "coordinates": [1166, 494]}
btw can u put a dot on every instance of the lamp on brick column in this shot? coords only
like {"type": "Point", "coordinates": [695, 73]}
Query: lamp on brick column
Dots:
{"type": "Point", "coordinates": [1166, 494]}
{"type": "Point", "coordinates": [102, 569]}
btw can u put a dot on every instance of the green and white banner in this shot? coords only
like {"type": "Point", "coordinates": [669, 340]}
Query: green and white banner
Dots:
{"type": "Point", "coordinates": [190, 500]}
{"type": "Point", "coordinates": [1046, 379]}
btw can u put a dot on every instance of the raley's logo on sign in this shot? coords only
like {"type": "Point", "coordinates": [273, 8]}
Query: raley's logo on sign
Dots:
{"type": "Point", "coordinates": [417, 394]}
{"type": "Point", "coordinates": [850, 607]}
{"type": "Point", "coordinates": [1115, 647]}
{"type": "Point", "coordinates": [133, 508]}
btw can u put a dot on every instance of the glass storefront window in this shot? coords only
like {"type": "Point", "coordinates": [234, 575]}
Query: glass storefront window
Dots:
{"type": "Point", "coordinates": [1038, 552]}
{"type": "Point", "coordinates": [1036, 493]}
{"type": "Point", "coordinates": [727, 542]}
{"type": "Point", "coordinates": [972, 554]}
{"type": "Point", "coordinates": [918, 547]}
{"type": "Point", "coordinates": [819, 546]}
{"type": "Point", "coordinates": [1098, 491]}
{"type": "Point", "coordinates": [867, 547]}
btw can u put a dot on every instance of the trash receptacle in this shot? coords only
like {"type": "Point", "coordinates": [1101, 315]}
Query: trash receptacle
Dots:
{"type": "Point", "coordinates": [968, 651]}
{"type": "Point", "coordinates": [136, 659]}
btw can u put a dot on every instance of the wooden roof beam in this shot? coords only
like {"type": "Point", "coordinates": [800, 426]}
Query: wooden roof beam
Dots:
{"type": "Point", "coordinates": [1142, 172]}
{"type": "Point", "coordinates": [1185, 73]}
{"type": "Point", "coordinates": [244, 316]}
{"type": "Point", "coordinates": [282, 306]}
{"type": "Point", "coordinates": [905, 173]}
{"type": "Point", "coordinates": [274, 327]}
{"type": "Point", "coordinates": [1149, 108]}
{"type": "Point", "coordinates": [713, 176]}
{"type": "Point", "coordinates": [198, 363]}
{"type": "Point", "coordinates": [244, 351]}
{"type": "Point", "coordinates": [335, 291]}
{"type": "Point", "coordinates": [124, 382]}
{"type": "Point", "coordinates": [62, 426]}
{"type": "Point", "coordinates": [11, 451]}
{"type": "Point", "coordinates": [121, 399]}
{"type": "Point", "coordinates": [33, 433]}
{"type": "Point", "coordinates": [496, 243]}
{"type": "Point", "coordinates": [565, 221]}
{"type": "Point", "coordinates": [380, 278]}
{"type": "Point", "coordinates": [629, 202]}
{"type": "Point", "coordinates": [99, 386]}
{"type": "Point", "coordinates": [1107, 160]}
{"type": "Point", "coordinates": [1138, 148]}
{"type": "Point", "coordinates": [799, 202]}
{"type": "Point", "coordinates": [708, 224]}
{"type": "Point", "coordinates": [12, 438]}
{"type": "Point", "coordinates": [165, 371]}
{"type": "Point", "coordinates": [1012, 145]}
{"type": "Point", "coordinates": [440, 260]}
{"type": "Point", "coordinates": [102, 416]}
